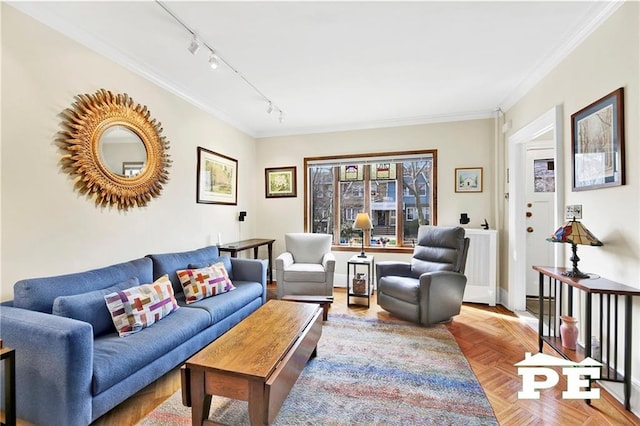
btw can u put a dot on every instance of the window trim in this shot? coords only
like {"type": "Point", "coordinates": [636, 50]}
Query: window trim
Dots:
{"type": "Point", "coordinates": [370, 158]}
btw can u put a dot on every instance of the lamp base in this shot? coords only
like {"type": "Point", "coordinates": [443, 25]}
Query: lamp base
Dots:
{"type": "Point", "coordinates": [575, 274]}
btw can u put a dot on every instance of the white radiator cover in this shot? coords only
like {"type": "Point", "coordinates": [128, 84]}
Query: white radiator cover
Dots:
{"type": "Point", "coordinates": [481, 269]}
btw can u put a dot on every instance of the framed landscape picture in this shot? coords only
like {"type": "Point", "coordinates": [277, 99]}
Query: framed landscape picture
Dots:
{"type": "Point", "coordinates": [597, 143]}
{"type": "Point", "coordinates": [469, 179]}
{"type": "Point", "coordinates": [280, 182]}
{"type": "Point", "coordinates": [217, 178]}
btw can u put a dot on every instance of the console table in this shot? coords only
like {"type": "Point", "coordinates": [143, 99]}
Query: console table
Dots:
{"type": "Point", "coordinates": [607, 328]}
{"type": "Point", "coordinates": [236, 246]}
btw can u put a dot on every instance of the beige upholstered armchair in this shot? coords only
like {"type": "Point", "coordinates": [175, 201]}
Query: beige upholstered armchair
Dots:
{"type": "Point", "coordinates": [307, 266]}
{"type": "Point", "coordinates": [429, 289]}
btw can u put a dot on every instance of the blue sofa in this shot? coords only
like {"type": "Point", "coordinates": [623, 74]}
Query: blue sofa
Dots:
{"type": "Point", "coordinates": [71, 371]}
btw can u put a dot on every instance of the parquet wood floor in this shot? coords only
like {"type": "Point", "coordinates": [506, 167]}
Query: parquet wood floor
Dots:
{"type": "Point", "coordinates": [492, 340]}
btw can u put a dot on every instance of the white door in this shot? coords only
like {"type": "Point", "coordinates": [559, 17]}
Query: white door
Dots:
{"type": "Point", "coordinates": [539, 212]}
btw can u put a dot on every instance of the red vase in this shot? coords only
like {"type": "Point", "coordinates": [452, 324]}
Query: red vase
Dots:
{"type": "Point", "coordinates": [569, 332]}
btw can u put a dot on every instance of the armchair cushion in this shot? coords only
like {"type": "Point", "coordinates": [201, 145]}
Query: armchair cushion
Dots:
{"type": "Point", "coordinates": [307, 247]}
{"type": "Point", "coordinates": [312, 272]}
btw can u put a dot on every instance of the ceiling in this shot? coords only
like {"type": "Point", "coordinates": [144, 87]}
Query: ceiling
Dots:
{"type": "Point", "coordinates": [334, 65]}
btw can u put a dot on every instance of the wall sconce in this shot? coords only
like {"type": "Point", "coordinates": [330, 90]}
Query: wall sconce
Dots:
{"type": "Point", "coordinates": [242, 216]}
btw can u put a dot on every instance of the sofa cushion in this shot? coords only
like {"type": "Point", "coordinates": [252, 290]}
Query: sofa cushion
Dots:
{"type": "Point", "coordinates": [169, 263]}
{"type": "Point", "coordinates": [90, 307]}
{"type": "Point", "coordinates": [305, 272]}
{"type": "Point", "coordinates": [403, 288]}
{"type": "Point", "coordinates": [38, 294]}
{"type": "Point", "coordinates": [204, 282]}
{"type": "Point", "coordinates": [115, 359]}
{"type": "Point", "coordinates": [226, 304]}
{"type": "Point", "coordinates": [226, 261]}
{"type": "Point", "coordinates": [142, 306]}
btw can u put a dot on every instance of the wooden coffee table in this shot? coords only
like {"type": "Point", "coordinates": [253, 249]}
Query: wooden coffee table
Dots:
{"type": "Point", "coordinates": [258, 361]}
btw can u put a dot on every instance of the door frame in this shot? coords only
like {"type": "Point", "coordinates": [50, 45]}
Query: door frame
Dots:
{"type": "Point", "coordinates": [551, 121]}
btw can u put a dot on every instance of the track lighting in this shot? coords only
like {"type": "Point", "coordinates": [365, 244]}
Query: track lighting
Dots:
{"type": "Point", "coordinates": [214, 61]}
{"type": "Point", "coordinates": [194, 46]}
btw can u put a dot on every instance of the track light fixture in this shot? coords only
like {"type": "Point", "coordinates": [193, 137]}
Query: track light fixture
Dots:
{"type": "Point", "coordinates": [194, 46]}
{"type": "Point", "coordinates": [215, 60]}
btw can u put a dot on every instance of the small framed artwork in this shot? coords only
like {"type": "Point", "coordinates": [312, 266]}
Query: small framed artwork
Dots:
{"type": "Point", "coordinates": [469, 179]}
{"type": "Point", "coordinates": [597, 143]}
{"type": "Point", "coordinates": [132, 168]}
{"type": "Point", "coordinates": [217, 179]}
{"type": "Point", "coordinates": [280, 182]}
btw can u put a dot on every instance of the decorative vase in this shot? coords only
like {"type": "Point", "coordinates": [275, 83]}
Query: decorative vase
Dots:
{"type": "Point", "coordinates": [569, 332]}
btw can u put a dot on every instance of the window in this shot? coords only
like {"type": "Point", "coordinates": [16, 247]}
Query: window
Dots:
{"type": "Point", "coordinates": [396, 189]}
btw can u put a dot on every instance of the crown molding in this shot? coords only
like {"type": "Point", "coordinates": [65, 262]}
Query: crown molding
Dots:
{"type": "Point", "coordinates": [557, 55]}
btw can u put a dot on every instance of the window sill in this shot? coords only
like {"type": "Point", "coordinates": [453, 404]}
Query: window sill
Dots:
{"type": "Point", "coordinates": [373, 249]}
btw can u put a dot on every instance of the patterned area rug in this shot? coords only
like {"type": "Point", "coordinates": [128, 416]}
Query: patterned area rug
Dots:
{"type": "Point", "coordinates": [368, 372]}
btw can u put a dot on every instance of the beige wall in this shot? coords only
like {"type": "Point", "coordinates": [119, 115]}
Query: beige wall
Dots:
{"type": "Point", "coordinates": [47, 227]}
{"type": "Point", "coordinates": [607, 60]}
{"type": "Point", "coordinates": [459, 144]}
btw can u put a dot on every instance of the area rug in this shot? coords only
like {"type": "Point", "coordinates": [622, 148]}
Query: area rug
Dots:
{"type": "Point", "coordinates": [368, 372]}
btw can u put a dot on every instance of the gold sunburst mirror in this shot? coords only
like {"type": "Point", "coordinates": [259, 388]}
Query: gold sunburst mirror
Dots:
{"type": "Point", "coordinates": [114, 149]}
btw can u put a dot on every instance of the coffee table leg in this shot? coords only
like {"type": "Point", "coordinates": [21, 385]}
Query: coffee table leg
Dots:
{"type": "Point", "coordinates": [258, 404]}
{"type": "Point", "coordinates": [200, 402]}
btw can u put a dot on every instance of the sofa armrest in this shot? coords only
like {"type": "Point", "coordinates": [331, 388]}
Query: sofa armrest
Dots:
{"type": "Point", "coordinates": [254, 270]}
{"type": "Point", "coordinates": [441, 295]}
{"type": "Point", "coordinates": [329, 262]}
{"type": "Point", "coordinates": [54, 365]}
{"type": "Point", "coordinates": [402, 269]}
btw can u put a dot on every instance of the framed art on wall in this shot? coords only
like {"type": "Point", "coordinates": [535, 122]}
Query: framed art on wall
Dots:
{"type": "Point", "coordinates": [469, 179]}
{"type": "Point", "coordinates": [217, 179]}
{"type": "Point", "coordinates": [280, 182]}
{"type": "Point", "coordinates": [597, 143]}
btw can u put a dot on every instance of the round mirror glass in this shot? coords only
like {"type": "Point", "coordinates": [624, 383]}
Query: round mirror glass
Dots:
{"type": "Point", "coordinates": [122, 151]}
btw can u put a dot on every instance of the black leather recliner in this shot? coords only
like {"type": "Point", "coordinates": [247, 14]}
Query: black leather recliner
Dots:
{"type": "Point", "coordinates": [429, 289]}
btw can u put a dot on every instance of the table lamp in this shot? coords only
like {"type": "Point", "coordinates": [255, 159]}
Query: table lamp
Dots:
{"type": "Point", "coordinates": [574, 233]}
{"type": "Point", "coordinates": [362, 222]}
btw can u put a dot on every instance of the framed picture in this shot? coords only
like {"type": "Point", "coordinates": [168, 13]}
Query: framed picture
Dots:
{"type": "Point", "coordinates": [597, 143]}
{"type": "Point", "coordinates": [469, 179]}
{"type": "Point", "coordinates": [280, 182]}
{"type": "Point", "coordinates": [217, 179]}
{"type": "Point", "coordinates": [132, 168]}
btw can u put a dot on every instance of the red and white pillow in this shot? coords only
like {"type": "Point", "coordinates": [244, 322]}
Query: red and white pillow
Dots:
{"type": "Point", "coordinates": [201, 283]}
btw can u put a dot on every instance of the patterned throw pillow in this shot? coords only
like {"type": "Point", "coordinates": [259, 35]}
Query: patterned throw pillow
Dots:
{"type": "Point", "coordinates": [142, 306]}
{"type": "Point", "coordinates": [198, 284]}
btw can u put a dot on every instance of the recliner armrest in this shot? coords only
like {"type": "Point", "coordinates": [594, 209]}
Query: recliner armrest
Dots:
{"type": "Point", "coordinates": [390, 267]}
{"type": "Point", "coordinates": [440, 295]}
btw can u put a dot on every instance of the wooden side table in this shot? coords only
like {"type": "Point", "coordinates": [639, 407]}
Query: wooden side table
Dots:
{"type": "Point", "coordinates": [352, 266]}
{"type": "Point", "coordinates": [8, 357]}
